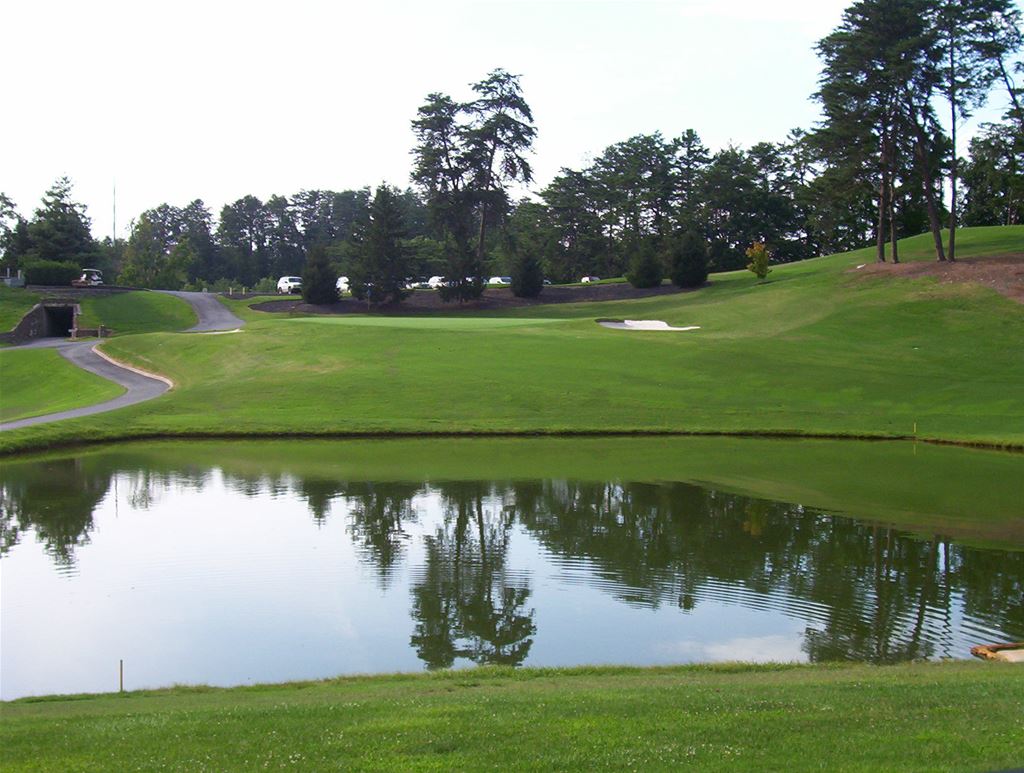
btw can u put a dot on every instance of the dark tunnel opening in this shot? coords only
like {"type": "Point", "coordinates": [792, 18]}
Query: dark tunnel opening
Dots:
{"type": "Point", "coordinates": [59, 320]}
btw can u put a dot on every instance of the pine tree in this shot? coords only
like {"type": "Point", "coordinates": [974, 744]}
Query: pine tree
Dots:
{"type": "Point", "coordinates": [381, 267]}
{"type": "Point", "coordinates": [527, 275]}
{"type": "Point", "coordinates": [60, 229]}
{"type": "Point", "coordinates": [645, 269]}
{"type": "Point", "coordinates": [688, 257]}
{"type": "Point", "coordinates": [319, 279]}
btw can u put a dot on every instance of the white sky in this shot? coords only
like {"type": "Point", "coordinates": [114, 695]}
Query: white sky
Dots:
{"type": "Point", "coordinates": [214, 100]}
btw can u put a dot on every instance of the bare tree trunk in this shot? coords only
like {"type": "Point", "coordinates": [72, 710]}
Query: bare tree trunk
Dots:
{"type": "Point", "coordinates": [483, 208]}
{"type": "Point", "coordinates": [1017, 111]}
{"type": "Point", "coordinates": [953, 171]}
{"type": "Point", "coordinates": [929, 189]}
{"type": "Point", "coordinates": [883, 208]}
{"type": "Point", "coordinates": [891, 161]}
{"type": "Point", "coordinates": [893, 235]}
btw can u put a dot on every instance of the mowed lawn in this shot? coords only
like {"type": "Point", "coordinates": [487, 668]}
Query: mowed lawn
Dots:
{"type": "Point", "coordinates": [137, 312]}
{"type": "Point", "coordinates": [38, 381]}
{"type": "Point", "coordinates": [818, 349]}
{"type": "Point", "coordinates": [922, 717]}
{"type": "Point", "coordinates": [14, 304]}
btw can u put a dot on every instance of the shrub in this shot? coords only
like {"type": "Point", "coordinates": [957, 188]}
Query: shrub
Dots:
{"type": "Point", "coordinates": [527, 276]}
{"type": "Point", "coordinates": [688, 258]}
{"type": "Point", "coordinates": [645, 270]}
{"type": "Point", "coordinates": [319, 280]}
{"type": "Point", "coordinates": [759, 257]}
{"type": "Point", "coordinates": [51, 272]}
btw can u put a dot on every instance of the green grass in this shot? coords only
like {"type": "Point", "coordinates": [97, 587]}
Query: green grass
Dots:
{"type": "Point", "coordinates": [818, 349]}
{"type": "Point", "coordinates": [952, 716]}
{"type": "Point", "coordinates": [428, 323]}
{"type": "Point", "coordinates": [38, 381]}
{"type": "Point", "coordinates": [14, 304]}
{"type": "Point", "coordinates": [137, 312]}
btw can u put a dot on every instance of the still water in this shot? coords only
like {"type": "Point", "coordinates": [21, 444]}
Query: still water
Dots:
{"type": "Point", "coordinates": [239, 563]}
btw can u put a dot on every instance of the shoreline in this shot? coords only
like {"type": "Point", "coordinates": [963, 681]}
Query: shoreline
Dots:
{"type": "Point", "coordinates": [30, 447]}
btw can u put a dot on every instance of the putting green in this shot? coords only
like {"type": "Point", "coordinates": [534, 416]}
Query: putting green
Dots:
{"type": "Point", "coordinates": [430, 323]}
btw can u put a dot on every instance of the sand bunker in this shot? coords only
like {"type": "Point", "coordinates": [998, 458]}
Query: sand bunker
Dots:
{"type": "Point", "coordinates": [642, 324]}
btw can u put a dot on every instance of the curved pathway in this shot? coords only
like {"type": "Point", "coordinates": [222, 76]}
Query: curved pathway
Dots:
{"type": "Point", "coordinates": [213, 316]}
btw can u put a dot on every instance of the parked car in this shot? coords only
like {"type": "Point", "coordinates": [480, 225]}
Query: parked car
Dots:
{"type": "Point", "coordinates": [500, 280]}
{"type": "Point", "coordinates": [289, 284]}
{"type": "Point", "coordinates": [589, 279]}
{"type": "Point", "coordinates": [342, 284]}
{"type": "Point", "coordinates": [435, 281]}
{"type": "Point", "coordinates": [91, 277]}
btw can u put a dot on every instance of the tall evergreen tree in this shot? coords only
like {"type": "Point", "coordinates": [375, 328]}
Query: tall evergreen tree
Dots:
{"type": "Point", "coordinates": [442, 170]}
{"type": "Point", "coordinates": [500, 134]}
{"type": "Point", "coordinates": [381, 268]}
{"type": "Point", "coordinates": [974, 38]}
{"type": "Point", "coordinates": [868, 60]}
{"type": "Point", "coordinates": [319, 280]}
{"type": "Point", "coordinates": [60, 229]}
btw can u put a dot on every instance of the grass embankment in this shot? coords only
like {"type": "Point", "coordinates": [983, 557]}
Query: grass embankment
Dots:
{"type": "Point", "coordinates": [952, 716]}
{"type": "Point", "coordinates": [137, 312]}
{"type": "Point", "coordinates": [14, 304]}
{"type": "Point", "coordinates": [38, 381]}
{"type": "Point", "coordinates": [819, 349]}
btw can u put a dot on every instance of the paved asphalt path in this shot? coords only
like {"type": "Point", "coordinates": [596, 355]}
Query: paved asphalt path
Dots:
{"type": "Point", "coordinates": [213, 316]}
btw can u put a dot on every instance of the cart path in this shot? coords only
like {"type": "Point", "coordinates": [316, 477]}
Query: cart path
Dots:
{"type": "Point", "coordinates": [213, 315]}
{"type": "Point", "coordinates": [139, 387]}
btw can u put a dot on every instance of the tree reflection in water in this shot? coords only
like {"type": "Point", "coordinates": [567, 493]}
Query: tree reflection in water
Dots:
{"type": "Point", "coordinates": [866, 591]}
{"type": "Point", "coordinates": [465, 602]}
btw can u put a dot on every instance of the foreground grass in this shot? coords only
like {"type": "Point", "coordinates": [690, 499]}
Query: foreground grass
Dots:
{"type": "Point", "coordinates": [952, 716]}
{"type": "Point", "coordinates": [819, 349]}
{"type": "Point", "coordinates": [25, 392]}
{"type": "Point", "coordinates": [137, 312]}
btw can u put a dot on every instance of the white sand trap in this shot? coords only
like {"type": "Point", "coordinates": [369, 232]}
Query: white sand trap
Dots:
{"type": "Point", "coordinates": [642, 324]}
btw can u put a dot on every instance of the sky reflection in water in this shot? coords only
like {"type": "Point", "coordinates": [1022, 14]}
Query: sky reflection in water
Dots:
{"type": "Point", "coordinates": [200, 576]}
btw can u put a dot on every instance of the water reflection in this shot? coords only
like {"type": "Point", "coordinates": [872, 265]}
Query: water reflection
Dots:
{"type": "Point", "coordinates": [56, 500]}
{"type": "Point", "coordinates": [861, 591]}
{"type": "Point", "coordinates": [466, 603]}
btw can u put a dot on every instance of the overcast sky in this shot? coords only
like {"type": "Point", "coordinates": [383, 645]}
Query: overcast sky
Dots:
{"type": "Point", "coordinates": [214, 100]}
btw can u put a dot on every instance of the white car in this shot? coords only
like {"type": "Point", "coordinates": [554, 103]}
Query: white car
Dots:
{"type": "Point", "coordinates": [435, 281]}
{"type": "Point", "coordinates": [289, 284]}
{"type": "Point", "coordinates": [342, 284]}
{"type": "Point", "coordinates": [589, 279]}
{"type": "Point", "coordinates": [500, 280]}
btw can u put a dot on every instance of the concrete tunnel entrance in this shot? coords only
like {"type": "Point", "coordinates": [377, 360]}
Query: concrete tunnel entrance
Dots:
{"type": "Point", "coordinates": [60, 320]}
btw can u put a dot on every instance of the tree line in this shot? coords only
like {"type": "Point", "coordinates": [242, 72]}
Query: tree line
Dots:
{"type": "Point", "coordinates": [876, 168]}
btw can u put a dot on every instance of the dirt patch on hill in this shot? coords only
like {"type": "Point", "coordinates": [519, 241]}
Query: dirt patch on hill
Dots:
{"type": "Point", "coordinates": [1004, 274]}
{"type": "Point", "coordinates": [494, 298]}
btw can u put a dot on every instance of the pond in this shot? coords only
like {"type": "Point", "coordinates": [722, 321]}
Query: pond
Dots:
{"type": "Point", "coordinates": [231, 563]}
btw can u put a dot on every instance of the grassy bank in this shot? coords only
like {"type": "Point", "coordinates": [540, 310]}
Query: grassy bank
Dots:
{"type": "Point", "coordinates": [137, 312]}
{"type": "Point", "coordinates": [37, 381]}
{"type": "Point", "coordinates": [14, 303]}
{"type": "Point", "coordinates": [952, 716]}
{"type": "Point", "coordinates": [820, 349]}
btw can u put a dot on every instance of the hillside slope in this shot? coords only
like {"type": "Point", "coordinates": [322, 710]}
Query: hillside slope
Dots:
{"type": "Point", "coordinates": [822, 348]}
